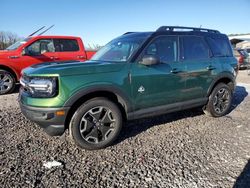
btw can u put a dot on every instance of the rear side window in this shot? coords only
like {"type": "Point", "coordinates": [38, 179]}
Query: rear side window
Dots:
{"type": "Point", "coordinates": [66, 45]}
{"type": "Point", "coordinates": [194, 48]}
{"type": "Point", "coordinates": [220, 47]}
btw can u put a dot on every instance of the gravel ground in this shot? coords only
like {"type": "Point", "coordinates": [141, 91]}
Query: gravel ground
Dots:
{"type": "Point", "coordinates": [184, 149]}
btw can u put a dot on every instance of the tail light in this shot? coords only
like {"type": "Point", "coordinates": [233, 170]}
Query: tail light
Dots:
{"type": "Point", "coordinates": [241, 59]}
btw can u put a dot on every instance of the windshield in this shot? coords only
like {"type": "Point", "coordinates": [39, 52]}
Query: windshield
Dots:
{"type": "Point", "coordinates": [120, 49]}
{"type": "Point", "coordinates": [18, 44]}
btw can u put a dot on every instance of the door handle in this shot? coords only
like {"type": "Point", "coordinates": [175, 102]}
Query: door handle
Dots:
{"type": "Point", "coordinates": [175, 70]}
{"type": "Point", "coordinates": [80, 57]}
{"type": "Point", "coordinates": [210, 67]}
{"type": "Point", "coordinates": [53, 58]}
{"type": "Point", "coordinates": [13, 57]}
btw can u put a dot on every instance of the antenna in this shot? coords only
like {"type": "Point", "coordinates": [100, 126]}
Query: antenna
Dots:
{"type": "Point", "coordinates": [46, 30]}
{"type": "Point", "coordinates": [36, 31]}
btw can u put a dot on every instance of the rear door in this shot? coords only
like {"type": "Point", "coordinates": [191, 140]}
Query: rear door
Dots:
{"type": "Point", "coordinates": [195, 55]}
{"type": "Point", "coordinates": [68, 49]}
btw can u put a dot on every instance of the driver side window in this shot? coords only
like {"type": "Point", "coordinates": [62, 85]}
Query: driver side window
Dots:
{"type": "Point", "coordinates": [40, 47]}
{"type": "Point", "coordinates": [165, 48]}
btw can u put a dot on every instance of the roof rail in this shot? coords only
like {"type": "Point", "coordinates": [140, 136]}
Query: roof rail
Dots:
{"type": "Point", "coordinates": [172, 28]}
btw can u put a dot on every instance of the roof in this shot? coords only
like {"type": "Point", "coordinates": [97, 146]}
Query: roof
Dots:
{"type": "Point", "coordinates": [247, 36]}
{"type": "Point", "coordinates": [54, 36]}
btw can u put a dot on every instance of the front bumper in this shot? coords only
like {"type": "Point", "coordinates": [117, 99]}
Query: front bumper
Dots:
{"type": "Point", "coordinates": [47, 118]}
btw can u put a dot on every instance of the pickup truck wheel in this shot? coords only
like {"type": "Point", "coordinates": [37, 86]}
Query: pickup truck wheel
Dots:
{"type": "Point", "coordinates": [7, 82]}
{"type": "Point", "coordinates": [219, 102]}
{"type": "Point", "coordinates": [96, 124]}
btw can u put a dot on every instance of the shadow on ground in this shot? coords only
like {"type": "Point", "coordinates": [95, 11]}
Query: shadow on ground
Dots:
{"type": "Point", "coordinates": [134, 128]}
{"type": "Point", "coordinates": [240, 94]}
{"type": "Point", "coordinates": [243, 181]}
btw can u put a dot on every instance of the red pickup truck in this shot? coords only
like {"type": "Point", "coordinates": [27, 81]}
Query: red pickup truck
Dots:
{"type": "Point", "coordinates": [37, 49]}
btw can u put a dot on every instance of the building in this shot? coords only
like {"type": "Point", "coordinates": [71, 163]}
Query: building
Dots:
{"type": "Point", "coordinates": [240, 41]}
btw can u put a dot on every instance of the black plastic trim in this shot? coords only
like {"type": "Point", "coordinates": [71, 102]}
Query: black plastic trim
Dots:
{"type": "Point", "coordinates": [220, 77]}
{"type": "Point", "coordinates": [122, 98]}
{"type": "Point", "coordinates": [46, 118]}
{"type": "Point", "coordinates": [164, 109]}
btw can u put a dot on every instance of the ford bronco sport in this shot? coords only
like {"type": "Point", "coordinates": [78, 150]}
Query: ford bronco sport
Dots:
{"type": "Point", "coordinates": [137, 75]}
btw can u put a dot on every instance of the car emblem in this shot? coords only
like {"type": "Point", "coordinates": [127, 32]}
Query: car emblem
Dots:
{"type": "Point", "coordinates": [141, 89]}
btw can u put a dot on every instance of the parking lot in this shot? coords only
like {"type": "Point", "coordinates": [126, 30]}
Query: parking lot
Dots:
{"type": "Point", "coordinates": [183, 149]}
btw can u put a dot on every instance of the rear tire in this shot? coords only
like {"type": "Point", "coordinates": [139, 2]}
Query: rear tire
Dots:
{"type": "Point", "coordinates": [7, 82]}
{"type": "Point", "coordinates": [96, 124]}
{"type": "Point", "coordinates": [219, 102]}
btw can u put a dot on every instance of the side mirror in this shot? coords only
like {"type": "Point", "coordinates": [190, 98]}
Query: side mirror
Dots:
{"type": "Point", "coordinates": [149, 60]}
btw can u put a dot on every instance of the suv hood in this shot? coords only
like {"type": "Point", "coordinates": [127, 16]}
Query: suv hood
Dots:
{"type": "Point", "coordinates": [69, 68]}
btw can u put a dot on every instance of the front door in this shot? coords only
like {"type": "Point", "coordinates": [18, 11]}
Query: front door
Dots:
{"type": "Point", "coordinates": [159, 84]}
{"type": "Point", "coordinates": [39, 51]}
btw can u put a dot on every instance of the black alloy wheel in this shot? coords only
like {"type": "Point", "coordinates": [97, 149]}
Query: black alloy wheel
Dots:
{"type": "Point", "coordinates": [219, 101]}
{"type": "Point", "coordinates": [96, 124]}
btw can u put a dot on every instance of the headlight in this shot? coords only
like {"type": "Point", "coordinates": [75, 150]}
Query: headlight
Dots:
{"type": "Point", "coordinates": [40, 87]}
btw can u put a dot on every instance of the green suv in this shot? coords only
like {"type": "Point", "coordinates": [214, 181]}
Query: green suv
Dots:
{"type": "Point", "coordinates": [137, 75]}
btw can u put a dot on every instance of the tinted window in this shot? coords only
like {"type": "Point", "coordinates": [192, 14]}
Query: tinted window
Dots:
{"type": "Point", "coordinates": [164, 48]}
{"type": "Point", "coordinates": [220, 47]}
{"type": "Point", "coordinates": [194, 48]}
{"type": "Point", "coordinates": [40, 47]}
{"type": "Point", "coordinates": [66, 45]}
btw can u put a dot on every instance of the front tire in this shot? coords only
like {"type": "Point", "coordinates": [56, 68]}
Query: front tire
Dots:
{"type": "Point", "coordinates": [96, 124]}
{"type": "Point", "coordinates": [7, 82]}
{"type": "Point", "coordinates": [219, 102]}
